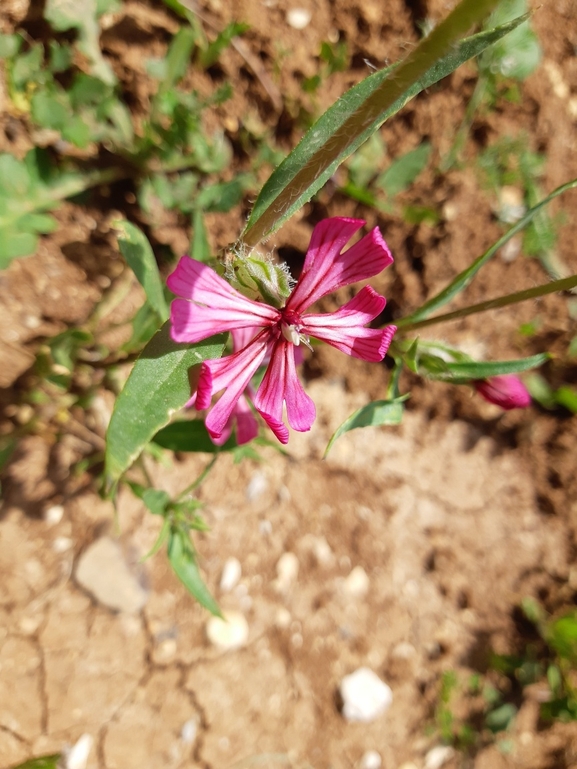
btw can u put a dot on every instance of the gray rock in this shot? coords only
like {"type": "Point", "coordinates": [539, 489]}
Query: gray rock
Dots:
{"type": "Point", "coordinates": [103, 572]}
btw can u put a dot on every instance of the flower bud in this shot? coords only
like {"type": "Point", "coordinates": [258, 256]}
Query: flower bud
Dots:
{"type": "Point", "coordinates": [257, 277]}
{"type": "Point", "coordinates": [506, 391]}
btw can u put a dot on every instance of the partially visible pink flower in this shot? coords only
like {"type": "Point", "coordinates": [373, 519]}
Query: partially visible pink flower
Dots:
{"type": "Point", "coordinates": [209, 305]}
{"type": "Point", "coordinates": [506, 391]}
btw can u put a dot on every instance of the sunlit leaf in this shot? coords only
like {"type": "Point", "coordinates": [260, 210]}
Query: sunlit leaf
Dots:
{"type": "Point", "coordinates": [388, 412]}
{"type": "Point", "coordinates": [138, 253]}
{"type": "Point", "coordinates": [157, 388]}
{"type": "Point", "coordinates": [183, 560]}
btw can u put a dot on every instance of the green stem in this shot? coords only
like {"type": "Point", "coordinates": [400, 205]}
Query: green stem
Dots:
{"type": "Point", "coordinates": [565, 284]}
{"type": "Point", "coordinates": [196, 483]}
{"type": "Point", "coordinates": [464, 278]}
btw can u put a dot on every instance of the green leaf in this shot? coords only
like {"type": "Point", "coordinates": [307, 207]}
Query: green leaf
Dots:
{"type": "Point", "coordinates": [361, 111]}
{"type": "Point", "coordinates": [200, 249]}
{"type": "Point", "coordinates": [178, 56]}
{"type": "Point", "coordinates": [50, 109]}
{"type": "Point", "coordinates": [463, 371]}
{"type": "Point", "coordinates": [183, 561]}
{"type": "Point", "coordinates": [389, 412]}
{"type": "Point", "coordinates": [190, 435]}
{"type": "Point", "coordinates": [9, 45]}
{"type": "Point", "coordinates": [500, 718]}
{"type": "Point", "coordinates": [144, 327]}
{"type": "Point", "coordinates": [567, 396]}
{"type": "Point", "coordinates": [517, 55]}
{"type": "Point", "coordinates": [63, 15]}
{"type": "Point", "coordinates": [157, 387]}
{"type": "Point", "coordinates": [212, 53]}
{"type": "Point", "coordinates": [404, 170]}
{"type": "Point", "coordinates": [561, 635]}
{"type": "Point", "coordinates": [14, 245]}
{"type": "Point", "coordinates": [138, 253]}
{"type": "Point", "coordinates": [27, 188]}
{"type": "Point", "coordinates": [223, 195]}
{"type": "Point", "coordinates": [156, 500]}
{"type": "Point", "coordinates": [45, 762]}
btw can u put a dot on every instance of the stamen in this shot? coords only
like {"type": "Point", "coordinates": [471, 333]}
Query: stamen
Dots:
{"type": "Point", "coordinates": [291, 334]}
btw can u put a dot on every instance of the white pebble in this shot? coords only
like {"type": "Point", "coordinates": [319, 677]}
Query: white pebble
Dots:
{"type": "Point", "coordinates": [231, 574]}
{"type": "Point", "coordinates": [77, 756]}
{"type": "Point", "coordinates": [228, 633]}
{"type": "Point", "coordinates": [365, 696]}
{"type": "Point", "coordinates": [62, 544]}
{"type": "Point", "coordinates": [356, 585]}
{"type": "Point", "coordinates": [257, 486]}
{"type": "Point", "coordinates": [53, 515]}
{"type": "Point", "coordinates": [188, 731]}
{"type": "Point", "coordinates": [322, 551]}
{"type": "Point", "coordinates": [438, 756]}
{"type": "Point", "coordinates": [287, 570]}
{"type": "Point", "coordinates": [371, 760]}
{"type": "Point", "coordinates": [299, 18]}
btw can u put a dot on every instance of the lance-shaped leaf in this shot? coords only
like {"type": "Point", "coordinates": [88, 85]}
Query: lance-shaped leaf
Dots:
{"type": "Point", "coordinates": [138, 253]}
{"type": "Point", "coordinates": [389, 412]}
{"type": "Point", "coordinates": [157, 387]}
{"type": "Point", "coordinates": [183, 560]}
{"type": "Point", "coordinates": [362, 110]}
{"type": "Point", "coordinates": [462, 372]}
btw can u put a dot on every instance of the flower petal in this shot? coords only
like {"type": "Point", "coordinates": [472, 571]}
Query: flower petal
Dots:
{"type": "Point", "coordinates": [214, 306]}
{"type": "Point", "coordinates": [326, 269]}
{"type": "Point", "coordinates": [232, 373]}
{"type": "Point", "coordinates": [246, 424]}
{"type": "Point", "coordinates": [280, 384]}
{"type": "Point", "coordinates": [345, 328]}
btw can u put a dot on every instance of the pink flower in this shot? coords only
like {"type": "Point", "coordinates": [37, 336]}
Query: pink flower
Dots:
{"type": "Point", "coordinates": [242, 414]}
{"type": "Point", "coordinates": [506, 391]}
{"type": "Point", "coordinates": [209, 305]}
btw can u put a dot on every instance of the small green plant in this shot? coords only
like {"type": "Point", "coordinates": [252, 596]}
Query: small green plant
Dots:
{"type": "Point", "coordinates": [170, 158]}
{"type": "Point", "coordinates": [508, 166]}
{"type": "Point", "coordinates": [377, 188]}
{"type": "Point", "coordinates": [501, 68]}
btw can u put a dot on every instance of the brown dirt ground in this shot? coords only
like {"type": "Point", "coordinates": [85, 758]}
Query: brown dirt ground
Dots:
{"type": "Point", "coordinates": [455, 516]}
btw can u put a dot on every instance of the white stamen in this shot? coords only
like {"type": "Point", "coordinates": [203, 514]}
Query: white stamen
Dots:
{"type": "Point", "coordinates": [291, 334]}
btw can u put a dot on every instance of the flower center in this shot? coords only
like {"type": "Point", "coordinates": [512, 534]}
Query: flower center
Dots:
{"type": "Point", "coordinates": [290, 326]}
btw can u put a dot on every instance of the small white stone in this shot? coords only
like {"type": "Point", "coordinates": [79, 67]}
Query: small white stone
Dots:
{"type": "Point", "coordinates": [438, 756]}
{"type": "Point", "coordinates": [77, 756]}
{"type": "Point", "coordinates": [322, 551]}
{"type": "Point", "coordinates": [356, 585]}
{"type": "Point", "coordinates": [53, 514]}
{"type": "Point", "coordinates": [189, 731]}
{"type": "Point", "coordinates": [365, 696]}
{"type": "Point", "coordinates": [299, 18]}
{"type": "Point", "coordinates": [370, 760]}
{"type": "Point", "coordinates": [62, 544]}
{"type": "Point", "coordinates": [257, 486]}
{"type": "Point", "coordinates": [287, 570]}
{"type": "Point", "coordinates": [282, 618]}
{"type": "Point", "coordinates": [228, 633]}
{"type": "Point", "coordinates": [231, 573]}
